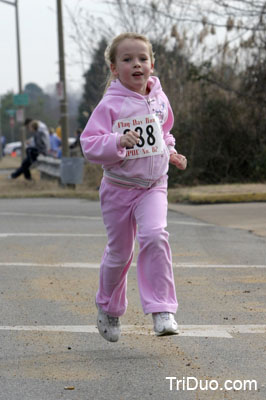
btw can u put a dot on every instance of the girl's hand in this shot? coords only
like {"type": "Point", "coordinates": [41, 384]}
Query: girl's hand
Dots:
{"type": "Point", "coordinates": [179, 161]}
{"type": "Point", "coordinates": [129, 139]}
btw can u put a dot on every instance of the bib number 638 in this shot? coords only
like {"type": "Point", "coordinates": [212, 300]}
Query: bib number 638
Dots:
{"type": "Point", "coordinates": [149, 132]}
{"type": "Point", "coordinates": [150, 135]}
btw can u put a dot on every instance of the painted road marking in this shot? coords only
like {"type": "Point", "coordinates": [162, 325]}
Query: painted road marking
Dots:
{"type": "Point", "coordinates": [204, 265]}
{"type": "Point", "coordinates": [218, 331]}
{"type": "Point", "coordinates": [189, 223]}
{"type": "Point", "coordinates": [97, 265]}
{"type": "Point", "coordinates": [52, 234]}
{"type": "Point", "coordinates": [80, 217]}
{"type": "Point", "coordinates": [55, 265]}
{"type": "Point", "coordinates": [20, 214]}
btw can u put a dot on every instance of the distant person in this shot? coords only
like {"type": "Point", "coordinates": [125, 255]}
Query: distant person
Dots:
{"type": "Point", "coordinates": [42, 127]}
{"type": "Point", "coordinates": [75, 147]}
{"type": "Point", "coordinates": [58, 131]}
{"type": "Point", "coordinates": [55, 143]}
{"type": "Point", "coordinates": [36, 145]}
{"type": "Point", "coordinates": [3, 143]}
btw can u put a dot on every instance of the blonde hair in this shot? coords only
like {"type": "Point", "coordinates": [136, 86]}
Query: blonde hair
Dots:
{"type": "Point", "coordinates": [34, 125]}
{"type": "Point", "coordinates": [111, 50]}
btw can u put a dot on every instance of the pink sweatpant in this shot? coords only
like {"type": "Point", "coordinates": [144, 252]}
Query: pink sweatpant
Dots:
{"type": "Point", "coordinates": [123, 209]}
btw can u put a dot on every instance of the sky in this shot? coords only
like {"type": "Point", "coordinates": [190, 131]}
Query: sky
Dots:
{"type": "Point", "coordinates": [39, 44]}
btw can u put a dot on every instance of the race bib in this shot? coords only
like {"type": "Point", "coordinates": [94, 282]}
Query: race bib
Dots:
{"type": "Point", "coordinates": [149, 128]}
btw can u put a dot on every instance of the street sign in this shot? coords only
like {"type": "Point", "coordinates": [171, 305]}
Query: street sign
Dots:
{"type": "Point", "coordinates": [11, 112]}
{"type": "Point", "coordinates": [20, 115]}
{"type": "Point", "coordinates": [60, 90]}
{"type": "Point", "coordinates": [21, 99]}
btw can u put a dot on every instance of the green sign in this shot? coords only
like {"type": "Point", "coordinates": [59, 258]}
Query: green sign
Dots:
{"type": "Point", "coordinates": [21, 99]}
{"type": "Point", "coordinates": [11, 112]}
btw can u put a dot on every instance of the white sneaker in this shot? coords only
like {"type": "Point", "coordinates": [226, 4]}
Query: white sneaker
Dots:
{"type": "Point", "coordinates": [109, 327]}
{"type": "Point", "coordinates": [164, 324]}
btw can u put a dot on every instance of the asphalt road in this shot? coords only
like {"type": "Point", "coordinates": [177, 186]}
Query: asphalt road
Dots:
{"type": "Point", "coordinates": [50, 253]}
{"type": "Point", "coordinates": [247, 216]}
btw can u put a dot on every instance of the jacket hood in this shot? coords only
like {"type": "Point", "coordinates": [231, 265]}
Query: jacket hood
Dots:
{"type": "Point", "coordinates": [117, 89]}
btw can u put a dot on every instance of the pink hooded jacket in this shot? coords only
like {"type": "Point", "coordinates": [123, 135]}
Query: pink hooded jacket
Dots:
{"type": "Point", "coordinates": [101, 145]}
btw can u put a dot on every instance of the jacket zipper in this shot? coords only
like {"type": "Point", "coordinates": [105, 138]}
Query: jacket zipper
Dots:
{"type": "Point", "coordinates": [151, 161]}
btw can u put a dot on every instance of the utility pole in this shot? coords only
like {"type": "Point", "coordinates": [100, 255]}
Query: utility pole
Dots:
{"type": "Point", "coordinates": [62, 83]}
{"type": "Point", "coordinates": [22, 128]}
{"type": "Point", "coordinates": [1, 144]}
{"type": "Point", "coordinates": [15, 4]}
{"type": "Point", "coordinates": [18, 49]}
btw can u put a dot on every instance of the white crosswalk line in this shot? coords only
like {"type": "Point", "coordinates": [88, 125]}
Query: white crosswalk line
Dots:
{"type": "Point", "coordinates": [53, 216]}
{"type": "Point", "coordinates": [217, 331]}
{"type": "Point", "coordinates": [86, 217]}
{"type": "Point", "coordinates": [47, 265]}
{"type": "Point", "coordinates": [51, 234]}
{"type": "Point", "coordinates": [97, 265]}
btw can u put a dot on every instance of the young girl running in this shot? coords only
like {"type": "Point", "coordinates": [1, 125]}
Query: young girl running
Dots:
{"type": "Point", "coordinates": [128, 133]}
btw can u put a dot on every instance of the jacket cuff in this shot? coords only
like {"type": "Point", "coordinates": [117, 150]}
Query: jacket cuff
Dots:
{"type": "Point", "coordinates": [172, 150]}
{"type": "Point", "coordinates": [118, 145]}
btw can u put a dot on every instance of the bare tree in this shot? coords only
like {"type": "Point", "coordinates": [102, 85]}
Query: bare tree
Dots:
{"type": "Point", "coordinates": [210, 57]}
{"type": "Point", "coordinates": [163, 21]}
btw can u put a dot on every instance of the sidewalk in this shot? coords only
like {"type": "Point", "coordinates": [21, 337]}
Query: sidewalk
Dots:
{"type": "Point", "coordinates": [223, 193]}
{"type": "Point", "coordinates": [248, 216]}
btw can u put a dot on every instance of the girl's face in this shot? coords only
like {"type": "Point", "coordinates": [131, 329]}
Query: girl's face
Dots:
{"type": "Point", "coordinates": [133, 65]}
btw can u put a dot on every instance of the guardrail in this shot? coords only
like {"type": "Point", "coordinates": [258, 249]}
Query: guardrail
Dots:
{"type": "Point", "coordinates": [49, 167]}
{"type": "Point", "coordinates": [68, 170]}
